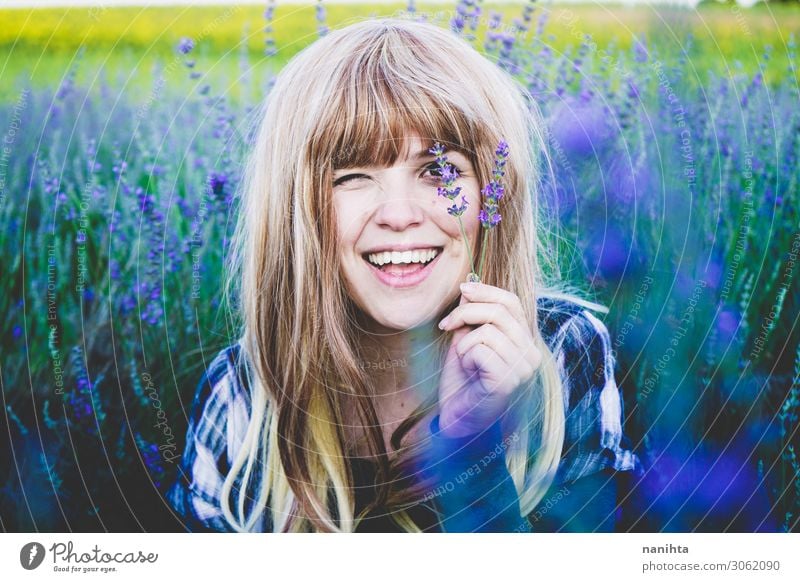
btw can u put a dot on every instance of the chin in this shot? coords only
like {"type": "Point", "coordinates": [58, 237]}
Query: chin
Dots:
{"type": "Point", "coordinates": [399, 320]}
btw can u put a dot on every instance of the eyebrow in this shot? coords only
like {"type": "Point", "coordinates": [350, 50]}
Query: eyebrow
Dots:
{"type": "Point", "coordinates": [421, 154]}
{"type": "Point", "coordinates": [426, 154]}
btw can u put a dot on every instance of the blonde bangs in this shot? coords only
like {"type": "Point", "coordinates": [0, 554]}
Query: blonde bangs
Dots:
{"type": "Point", "coordinates": [381, 99]}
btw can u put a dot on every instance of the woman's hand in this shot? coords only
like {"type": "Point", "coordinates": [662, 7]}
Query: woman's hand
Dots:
{"type": "Point", "coordinates": [485, 364]}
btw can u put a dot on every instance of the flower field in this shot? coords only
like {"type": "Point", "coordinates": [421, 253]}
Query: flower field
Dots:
{"type": "Point", "coordinates": [674, 137]}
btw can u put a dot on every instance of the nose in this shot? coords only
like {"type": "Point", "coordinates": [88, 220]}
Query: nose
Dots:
{"type": "Point", "coordinates": [401, 202]}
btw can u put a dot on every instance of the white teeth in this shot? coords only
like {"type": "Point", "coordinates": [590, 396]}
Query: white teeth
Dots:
{"type": "Point", "coordinates": [396, 258]}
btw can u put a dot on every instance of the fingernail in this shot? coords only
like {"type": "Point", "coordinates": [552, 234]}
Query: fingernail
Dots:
{"type": "Point", "coordinates": [467, 287]}
{"type": "Point", "coordinates": [444, 322]}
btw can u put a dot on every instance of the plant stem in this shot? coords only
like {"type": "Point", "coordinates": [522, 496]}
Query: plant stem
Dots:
{"type": "Point", "coordinates": [466, 242]}
{"type": "Point", "coordinates": [483, 252]}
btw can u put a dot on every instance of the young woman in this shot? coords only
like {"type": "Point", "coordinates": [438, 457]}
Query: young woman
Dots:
{"type": "Point", "coordinates": [344, 405]}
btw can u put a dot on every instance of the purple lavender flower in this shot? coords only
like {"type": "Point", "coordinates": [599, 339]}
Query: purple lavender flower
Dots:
{"type": "Point", "coordinates": [114, 269]}
{"type": "Point", "coordinates": [640, 54]}
{"type": "Point", "coordinates": [448, 175]}
{"type": "Point", "coordinates": [581, 129]}
{"type": "Point", "coordinates": [487, 219]}
{"type": "Point", "coordinates": [80, 401]}
{"type": "Point", "coordinates": [458, 210]}
{"type": "Point", "coordinates": [119, 167]}
{"type": "Point", "coordinates": [322, 28]}
{"type": "Point", "coordinates": [492, 193]}
{"type": "Point", "coordinates": [494, 190]}
{"type": "Point", "coordinates": [726, 324]}
{"type": "Point", "coordinates": [216, 182]}
{"type": "Point", "coordinates": [489, 216]}
{"type": "Point", "coordinates": [467, 12]}
{"type": "Point", "coordinates": [146, 201]}
{"type": "Point", "coordinates": [269, 42]}
{"type": "Point", "coordinates": [186, 45]}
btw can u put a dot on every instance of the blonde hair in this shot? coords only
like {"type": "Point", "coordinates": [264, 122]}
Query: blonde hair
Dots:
{"type": "Point", "coordinates": [348, 100]}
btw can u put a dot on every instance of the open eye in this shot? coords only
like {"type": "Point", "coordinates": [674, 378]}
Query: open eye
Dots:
{"type": "Point", "coordinates": [436, 171]}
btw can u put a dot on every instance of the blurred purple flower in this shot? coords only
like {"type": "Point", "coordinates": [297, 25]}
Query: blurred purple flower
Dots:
{"type": "Point", "coordinates": [633, 90]}
{"type": "Point", "coordinates": [154, 169]}
{"type": "Point", "coordinates": [726, 324]}
{"type": "Point", "coordinates": [51, 185]}
{"type": "Point", "coordinates": [612, 254]}
{"type": "Point", "coordinates": [80, 400]}
{"type": "Point", "coordinates": [640, 54]}
{"type": "Point", "coordinates": [217, 182]}
{"type": "Point", "coordinates": [467, 11]}
{"type": "Point", "coordinates": [625, 184]}
{"type": "Point", "coordinates": [714, 272]}
{"type": "Point", "coordinates": [146, 202]}
{"type": "Point", "coordinates": [322, 28]}
{"type": "Point", "coordinates": [119, 167]}
{"type": "Point", "coordinates": [185, 46]}
{"type": "Point", "coordinates": [581, 129]}
{"type": "Point", "coordinates": [712, 488]}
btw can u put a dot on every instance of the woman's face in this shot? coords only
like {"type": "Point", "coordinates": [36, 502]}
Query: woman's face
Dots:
{"type": "Point", "coordinates": [395, 216]}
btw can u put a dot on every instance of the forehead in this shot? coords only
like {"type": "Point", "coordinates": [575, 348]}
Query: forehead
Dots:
{"type": "Point", "coordinates": [410, 148]}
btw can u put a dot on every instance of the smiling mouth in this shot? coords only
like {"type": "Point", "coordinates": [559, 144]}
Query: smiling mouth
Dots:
{"type": "Point", "coordinates": [402, 262]}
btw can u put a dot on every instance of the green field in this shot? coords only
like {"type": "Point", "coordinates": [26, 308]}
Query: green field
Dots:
{"type": "Point", "coordinates": [39, 46]}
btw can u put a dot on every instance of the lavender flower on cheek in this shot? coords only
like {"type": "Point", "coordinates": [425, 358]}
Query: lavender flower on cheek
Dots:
{"type": "Point", "coordinates": [448, 176]}
{"type": "Point", "coordinates": [493, 192]}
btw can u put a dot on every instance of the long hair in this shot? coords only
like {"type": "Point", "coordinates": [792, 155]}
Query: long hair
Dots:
{"type": "Point", "coordinates": [348, 100]}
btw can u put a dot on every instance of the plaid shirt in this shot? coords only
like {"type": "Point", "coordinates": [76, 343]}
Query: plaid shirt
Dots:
{"type": "Point", "coordinates": [594, 440]}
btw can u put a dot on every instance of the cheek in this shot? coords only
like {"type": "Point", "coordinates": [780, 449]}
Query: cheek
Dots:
{"type": "Point", "coordinates": [348, 224]}
{"type": "Point", "coordinates": [469, 219]}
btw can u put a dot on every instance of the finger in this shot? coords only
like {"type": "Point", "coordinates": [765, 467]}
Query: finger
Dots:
{"type": "Point", "coordinates": [464, 330]}
{"type": "Point", "coordinates": [480, 313]}
{"type": "Point", "coordinates": [489, 335]}
{"type": "Point", "coordinates": [481, 358]}
{"type": "Point", "coordinates": [481, 292]}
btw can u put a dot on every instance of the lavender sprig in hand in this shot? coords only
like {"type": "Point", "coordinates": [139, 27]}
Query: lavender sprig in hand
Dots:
{"type": "Point", "coordinates": [491, 195]}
